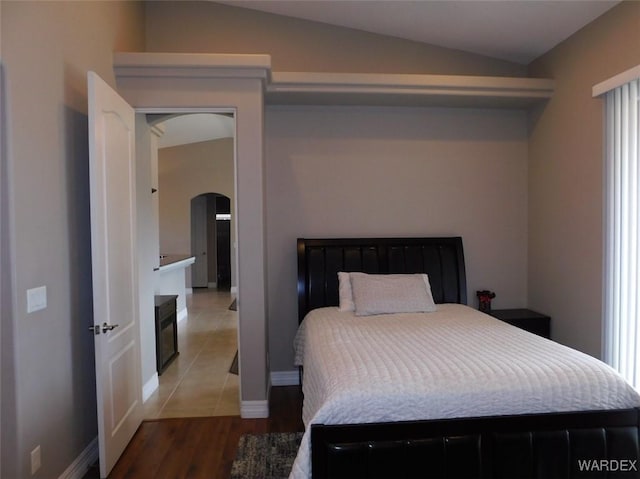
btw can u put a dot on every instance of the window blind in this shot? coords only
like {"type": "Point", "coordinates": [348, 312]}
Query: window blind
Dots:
{"type": "Point", "coordinates": [622, 232]}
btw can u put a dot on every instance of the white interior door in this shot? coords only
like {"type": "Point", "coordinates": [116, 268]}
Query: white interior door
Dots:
{"type": "Point", "coordinates": [114, 263]}
{"type": "Point", "coordinates": [199, 270]}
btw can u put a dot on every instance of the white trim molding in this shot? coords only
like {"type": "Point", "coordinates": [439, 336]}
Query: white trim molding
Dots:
{"type": "Point", "coordinates": [83, 462]}
{"type": "Point", "coordinates": [406, 89]}
{"type": "Point", "coordinates": [285, 378]}
{"type": "Point", "coordinates": [254, 409]}
{"type": "Point", "coordinates": [320, 88]}
{"type": "Point", "coordinates": [616, 81]}
{"type": "Point", "coordinates": [192, 65]}
{"type": "Point", "coordinates": [150, 387]}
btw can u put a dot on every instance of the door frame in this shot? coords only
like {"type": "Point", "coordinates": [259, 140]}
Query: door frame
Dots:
{"type": "Point", "coordinates": [231, 111]}
{"type": "Point", "coordinates": [159, 82]}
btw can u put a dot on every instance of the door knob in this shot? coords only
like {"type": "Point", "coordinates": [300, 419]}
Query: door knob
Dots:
{"type": "Point", "coordinates": [108, 327]}
{"type": "Point", "coordinates": [105, 327]}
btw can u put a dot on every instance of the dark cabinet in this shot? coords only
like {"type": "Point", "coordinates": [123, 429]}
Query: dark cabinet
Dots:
{"type": "Point", "coordinates": [526, 319]}
{"type": "Point", "coordinates": [166, 331]}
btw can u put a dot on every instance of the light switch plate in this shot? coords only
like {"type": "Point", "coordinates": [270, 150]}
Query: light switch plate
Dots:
{"type": "Point", "coordinates": [36, 299]}
{"type": "Point", "coordinates": [36, 460]}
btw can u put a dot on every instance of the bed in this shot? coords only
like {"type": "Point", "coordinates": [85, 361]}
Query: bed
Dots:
{"type": "Point", "coordinates": [355, 428]}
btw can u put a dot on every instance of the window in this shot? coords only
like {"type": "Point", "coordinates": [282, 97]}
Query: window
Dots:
{"type": "Point", "coordinates": [622, 228]}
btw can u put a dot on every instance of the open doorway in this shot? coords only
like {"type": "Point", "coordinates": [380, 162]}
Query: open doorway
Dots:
{"type": "Point", "coordinates": [196, 161]}
{"type": "Point", "coordinates": [211, 221]}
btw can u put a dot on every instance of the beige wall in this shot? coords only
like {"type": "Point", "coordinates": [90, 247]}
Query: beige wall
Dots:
{"type": "Point", "coordinates": [185, 172]}
{"type": "Point", "coordinates": [298, 45]}
{"type": "Point", "coordinates": [340, 171]}
{"type": "Point", "coordinates": [301, 45]}
{"type": "Point", "coordinates": [566, 176]}
{"type": "Point", "coordinates": [5, 292]}
{"type": "Point", "coordinates": [48, 378]}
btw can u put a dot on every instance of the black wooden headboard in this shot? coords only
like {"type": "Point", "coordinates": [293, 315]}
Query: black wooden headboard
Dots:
{"type": "Point", "coordinates": [319, 261]}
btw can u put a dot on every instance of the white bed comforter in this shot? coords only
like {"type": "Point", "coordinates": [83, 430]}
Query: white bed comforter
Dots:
{"type": "Point", "coordinates": [455, 362]}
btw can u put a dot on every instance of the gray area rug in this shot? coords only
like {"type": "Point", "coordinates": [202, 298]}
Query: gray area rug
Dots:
{"type": "Point", "coordinates": [266, 456]}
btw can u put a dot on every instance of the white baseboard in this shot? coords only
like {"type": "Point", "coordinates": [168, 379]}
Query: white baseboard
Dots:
{"type": "Point", "coordinates": [285, 378]}
{"type": "Point", "coordinates": [83, 462]}
{"type": "Point", "coordinates": [254, 409]}
{"type": "Point", "coordinates": [234, 290]}
{"type": "Point", "coordinates": [182, 314]}
{"type": "Point", "coordinates": [188, 290]}
{"type": "Point", "coordinates": [150, 386]}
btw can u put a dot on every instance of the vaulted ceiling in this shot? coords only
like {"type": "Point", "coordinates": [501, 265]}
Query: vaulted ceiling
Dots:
{"type": "Point", "coordinates": [514, 30]}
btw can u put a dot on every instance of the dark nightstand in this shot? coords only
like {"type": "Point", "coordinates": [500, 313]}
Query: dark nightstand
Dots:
{"type": "Point", "coordinates": [526, 319]}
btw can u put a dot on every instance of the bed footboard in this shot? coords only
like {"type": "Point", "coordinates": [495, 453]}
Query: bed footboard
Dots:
{"type": "Point", "coordinates": [557, 445]}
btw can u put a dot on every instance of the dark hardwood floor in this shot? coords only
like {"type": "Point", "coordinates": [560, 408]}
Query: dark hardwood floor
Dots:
{"type": "Point", "coordinates": [205, 447]}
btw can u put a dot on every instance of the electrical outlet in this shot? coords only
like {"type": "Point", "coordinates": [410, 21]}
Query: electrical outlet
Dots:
{"type": "Point", "coordinates": [35, 460]}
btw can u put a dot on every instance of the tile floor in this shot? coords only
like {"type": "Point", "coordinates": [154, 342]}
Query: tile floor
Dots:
{"type": "Point", "coordinates": [198, 382]}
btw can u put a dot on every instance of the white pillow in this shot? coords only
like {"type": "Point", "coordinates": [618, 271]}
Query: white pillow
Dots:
{"type": "Point", "coordinates": [391, 293]}
{"type": "Point", "coordinates": [344, 292]}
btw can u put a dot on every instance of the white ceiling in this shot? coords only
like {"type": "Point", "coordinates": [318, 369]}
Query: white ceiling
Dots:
{"type": "Point", "coordinates": [195, 127]}
{"type": "Point", "coordinates": [514, 30]}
